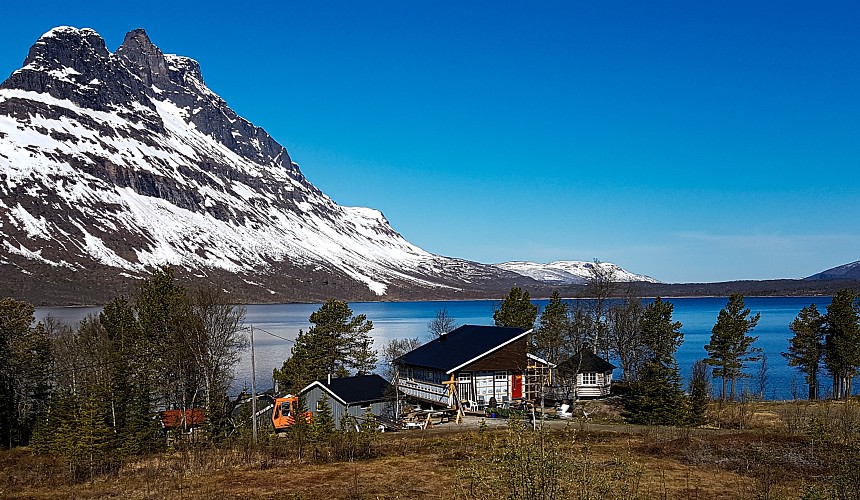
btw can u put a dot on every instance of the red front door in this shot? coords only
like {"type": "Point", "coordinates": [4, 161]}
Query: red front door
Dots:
{"type": "Point", "coordinates": [517, 386]}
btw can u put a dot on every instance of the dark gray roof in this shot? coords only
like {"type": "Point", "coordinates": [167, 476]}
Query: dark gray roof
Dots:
{"type": "Point", "coordinates": [460, 346]}
{"type": "Point", "coordinates": [585, 361]}
{"type": "Point", "coordinates": [358, 389]}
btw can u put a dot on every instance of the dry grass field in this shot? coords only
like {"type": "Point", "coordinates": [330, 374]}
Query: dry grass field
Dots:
{"type": "Point", "coordinates": [761, 450]}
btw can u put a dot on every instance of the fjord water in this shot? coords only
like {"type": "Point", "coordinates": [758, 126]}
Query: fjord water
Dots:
{"type": "Point", "coordinates": [409, 319]}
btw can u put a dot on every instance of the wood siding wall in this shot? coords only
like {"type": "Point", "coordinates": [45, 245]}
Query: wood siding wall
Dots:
{"type": "Point", "coordinates": [338, 409]}
{"type": "Point", "coordinates": [601, 389]}
{"type": "Point", "coordinates": [512, 358]}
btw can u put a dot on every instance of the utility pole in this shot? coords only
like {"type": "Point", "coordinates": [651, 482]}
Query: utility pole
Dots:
{"type": "Point", "coordinates": [253, 391]}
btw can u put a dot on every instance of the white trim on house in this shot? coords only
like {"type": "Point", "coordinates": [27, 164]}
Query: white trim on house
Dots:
{"type": "Point", "coordinates": [326, 389]}
{"type": "Point", "coordinates": [494, 349]}
{"type": "Point", "coordinates": [540, 360]}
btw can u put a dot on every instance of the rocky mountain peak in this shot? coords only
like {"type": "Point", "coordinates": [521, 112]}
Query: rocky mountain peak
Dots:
{"type": "Point", "coordinates": [75, 65]}
{"type": "Point", "coordinates": [67, 47]}
{"type": "Point", "coordinates": [112, 164]}
{"type": "Point", "coordinates": [143, 58]}
{"type": "Point", "coordinates": [184, 67]}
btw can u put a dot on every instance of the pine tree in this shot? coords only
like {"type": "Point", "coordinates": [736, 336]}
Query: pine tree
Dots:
{"type": "Point", "coordinates": [336, 343]}
{"type": "Point", "coordinates": [25, 362]}
{"type": "Point", "coordinates": [56, 431]}
{"type": "Point", "coordinates": [516, 310]}
{"type": "Point", "coordinates": [301, 432]}
{"type": "Point", "coordinates": [94, 445]}
{"type": "Point", "coordinates": [658, 398]}
{"type": "Point", "coordinates": [700, 392]}
{"type": "Point", "coordinates": [130, 388]}
{"type": "Point", "coordinates": [806, 348]}
{"type": "Point", "coordinates": [323, 426]}
{"type": "Point", "coordinates": [369, 424]}
{"type": "Point", "coordinates": [730, 347]}
{"type": "Point", "coordinates": [842, 340]}
{"type": "Point", "coordinates": [549, 338]}
{"type": "Point", "coordinates": [165, 319]}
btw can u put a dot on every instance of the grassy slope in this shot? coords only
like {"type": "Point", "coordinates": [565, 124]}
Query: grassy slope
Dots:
{"type": "Point", "coordinates": [778, 455]}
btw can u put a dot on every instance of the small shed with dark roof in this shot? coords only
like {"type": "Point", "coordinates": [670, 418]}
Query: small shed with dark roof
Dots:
{"type": "Point", "coordinates": [351, 396]}
{"type": "Point", "coordinates": [586, 375]}
{"type": "Point", "coordinates": [481, 362]}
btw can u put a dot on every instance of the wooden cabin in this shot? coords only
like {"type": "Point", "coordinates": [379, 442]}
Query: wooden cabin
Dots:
{"type": "Point", "coordinates": [470, 365]}
{"type": "Point", "coordinates": [351, 396]}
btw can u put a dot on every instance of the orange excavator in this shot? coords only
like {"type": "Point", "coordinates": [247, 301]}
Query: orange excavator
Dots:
{"type": "Point", "coordinates": [284, 413]}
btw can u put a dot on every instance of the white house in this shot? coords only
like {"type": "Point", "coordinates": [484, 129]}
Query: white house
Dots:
{"type": "Point", "coordinates": [584, 375]}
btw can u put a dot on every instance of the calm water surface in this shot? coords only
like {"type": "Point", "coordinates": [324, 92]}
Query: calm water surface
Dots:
{"type": "Point", "coordinates": [409, 319]}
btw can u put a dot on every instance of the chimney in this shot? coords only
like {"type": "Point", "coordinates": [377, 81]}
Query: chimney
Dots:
{"type": "Point", "coordinates": [329, 378]}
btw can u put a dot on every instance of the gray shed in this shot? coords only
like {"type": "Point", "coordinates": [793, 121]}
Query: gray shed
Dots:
{"type": "Point", "coordinates": [352, 396]}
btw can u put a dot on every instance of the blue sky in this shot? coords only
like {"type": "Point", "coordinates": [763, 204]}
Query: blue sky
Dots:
{"type": "Point", "coordinates": [691, 141]}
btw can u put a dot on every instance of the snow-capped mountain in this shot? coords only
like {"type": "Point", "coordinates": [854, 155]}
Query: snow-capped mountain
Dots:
{"type": "Point", "coordinates": [850, 271]}
{"type": "Point", "coordinates": [113, 163]}
{"type": "Point", "coordinates": [570, 272]}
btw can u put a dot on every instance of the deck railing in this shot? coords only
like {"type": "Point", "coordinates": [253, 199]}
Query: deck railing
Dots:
{"type": "Point", "coordinates": [427, 391]}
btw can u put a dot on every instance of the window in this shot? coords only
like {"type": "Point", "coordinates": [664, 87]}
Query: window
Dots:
{"type": "Point", "coordinates": [501, 385]}
{"type": "Point", "coordinates": [484, 385]}
{"type": "Point", "coordinates": [589, 378]}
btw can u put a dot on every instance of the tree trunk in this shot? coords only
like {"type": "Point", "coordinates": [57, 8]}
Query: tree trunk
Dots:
{"type": "Point", "coordinates": [813, 386]}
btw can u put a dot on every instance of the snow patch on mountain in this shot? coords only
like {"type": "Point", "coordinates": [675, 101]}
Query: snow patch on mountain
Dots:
{"type": "Point", "coordinates": [128, 160]}
{"type": "Point", "coordinates": [850, 271]}
{"type": "Point", "coordinates": [570, 272]}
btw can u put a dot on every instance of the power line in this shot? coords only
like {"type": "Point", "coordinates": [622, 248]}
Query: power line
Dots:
{"type": "Point", "coordinates": [273, 335]}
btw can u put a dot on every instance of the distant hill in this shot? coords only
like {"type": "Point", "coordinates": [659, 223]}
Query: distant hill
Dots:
{"type": "Point", "coordinates": [844, 272]}
{"type": "Point", "coordinates": [570, 272]}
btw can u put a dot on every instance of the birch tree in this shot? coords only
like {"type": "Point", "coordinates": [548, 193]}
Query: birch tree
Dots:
{"type": "Point", "coordinates": [216, 344]}
{"type": "Point", "coordinates": [441, 324]}
{"type": "Point", "coordinates": [625, 335]}
{"type": "Point", "coordinates": [601, 284]}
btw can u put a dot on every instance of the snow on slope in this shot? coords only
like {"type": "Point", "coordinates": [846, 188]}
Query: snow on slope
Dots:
{"type": "Point", "coordinates": [569, 272]}
{"type": "Point", "coordinates": [850, 271]}
{"type": "Point", "coordinates": [156, 169]}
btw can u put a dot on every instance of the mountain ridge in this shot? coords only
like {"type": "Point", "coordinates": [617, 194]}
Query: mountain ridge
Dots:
{"type": "Point", "coordinates": [127, 160]}
{"type": "Point", "coordinates": [850, 271]}
{"type": "Point", "coordinates": [571, 272]}
{"type": "Point", "coordinates": [112, 164]}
